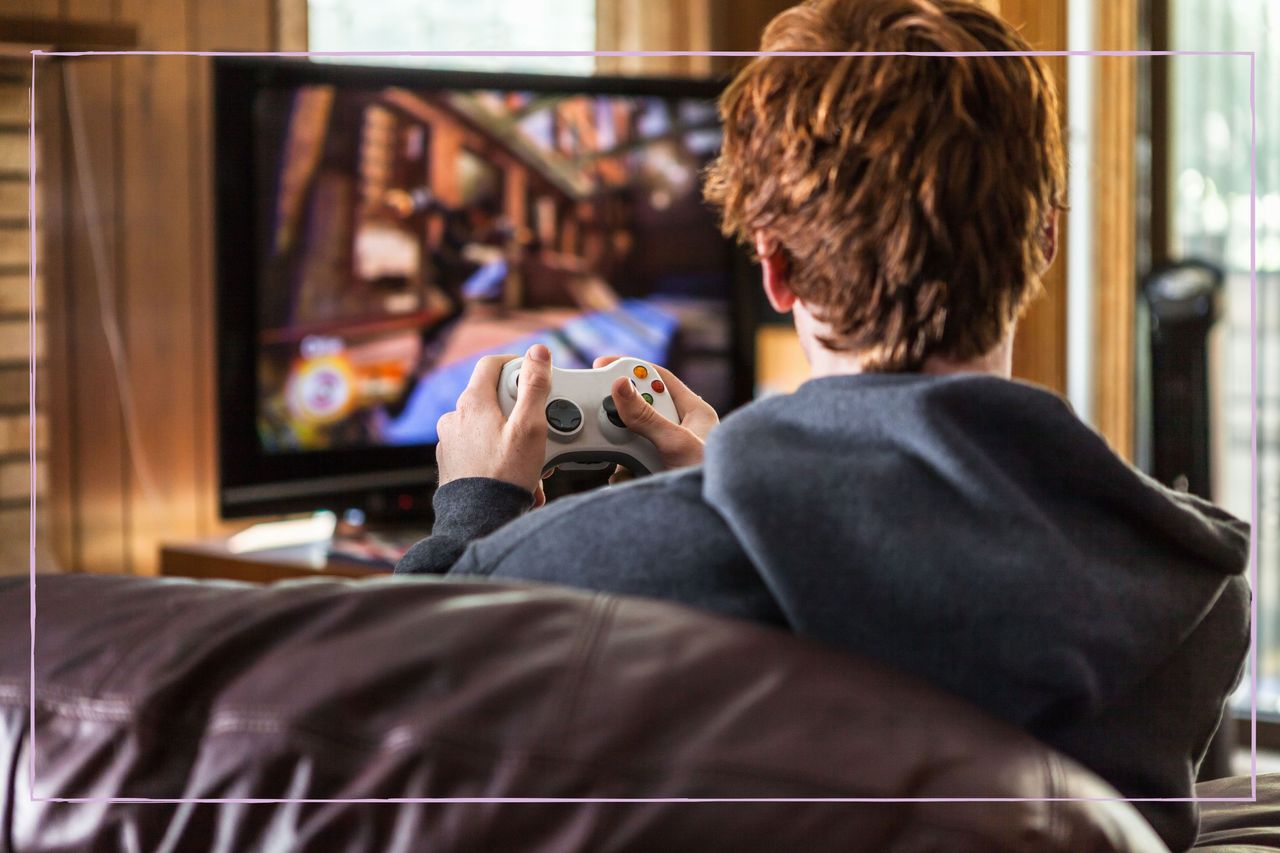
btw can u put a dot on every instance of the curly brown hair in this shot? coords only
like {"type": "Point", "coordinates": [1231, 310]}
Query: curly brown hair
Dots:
{"type": "Point", "coordinates": [909, 193]}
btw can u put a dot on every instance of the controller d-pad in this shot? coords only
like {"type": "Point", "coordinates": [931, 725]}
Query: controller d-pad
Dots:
{"type": "Point", "coordinates": [611, 412]}
{"type": "Point", "coordinates": [564, 416]}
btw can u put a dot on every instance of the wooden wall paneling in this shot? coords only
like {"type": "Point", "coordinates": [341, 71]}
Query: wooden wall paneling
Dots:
{"type": "Point", "coordinates": [607, 35]}
{"type": "Point", "coordinates": [78, 511]}
{"type": "Point", "coordinates": [612, 34]}
{"type": "Point", "coordinates": [1115, 229]}
{"type": "Point", "coordinates": [1040, 348]}
{"type": "Point", "coordinates": [54, 382]}
{"type": "Point", "coordinates": [653, 25]}
{"type": "Point", "coordinates": [699, 20]}
{"type": "Point", "coordinates": [148, 132]}
{"type": "Point", "coordinates": [74, 13]}
{"type": "Point", "coordinates": [680, 25]}
{"type": "Point", "coordinates": [231, 25]}
{"type": "Point", "coordinates": [157, 313]}
{"type": "Point", "coordinates": [97, 436]}
{"type": "Point", "coordinates": [44, 26]}
{"type": "Point", "coordinates": [291, 25]}
{"type": "Point", "coordinates": [26, 8]}
{"type": "Point", "coordinates": [738, 25]}
{"type": "Point", "coordinates": [200, 156]}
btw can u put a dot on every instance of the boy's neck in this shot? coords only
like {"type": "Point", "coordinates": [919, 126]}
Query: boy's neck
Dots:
{"type": "Point", "coordinates": [997, 362]}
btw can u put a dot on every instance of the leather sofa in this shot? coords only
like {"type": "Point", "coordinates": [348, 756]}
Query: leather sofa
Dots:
{"type": "Point", "coordinates": [422, 688]}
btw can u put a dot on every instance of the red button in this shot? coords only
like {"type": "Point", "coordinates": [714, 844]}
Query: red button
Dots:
{"type": "Point", "coordinates": [658, 386]}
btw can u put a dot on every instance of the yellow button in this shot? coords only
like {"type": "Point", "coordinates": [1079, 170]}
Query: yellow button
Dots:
{"type": "Point", "coordinates": [640, 371]}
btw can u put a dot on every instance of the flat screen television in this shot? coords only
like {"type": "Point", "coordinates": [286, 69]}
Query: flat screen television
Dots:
{"type": "Point", "coordinates": [380, 229]}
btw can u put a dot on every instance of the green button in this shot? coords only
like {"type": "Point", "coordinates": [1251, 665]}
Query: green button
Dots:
{"type": "Point", "coordinates": [648, 398]}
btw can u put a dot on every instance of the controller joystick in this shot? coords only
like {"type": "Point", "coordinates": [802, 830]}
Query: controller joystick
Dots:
{"type": "Point", "coordinates": [576, 438]}
{"type": "Point", "coordinates": [610, 409]}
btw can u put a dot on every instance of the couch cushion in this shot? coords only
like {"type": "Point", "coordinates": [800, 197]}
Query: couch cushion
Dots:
{"type": "Point", "coordinates": [428, 688]}
{"type": "Point", "coordinates": [1244, 825]}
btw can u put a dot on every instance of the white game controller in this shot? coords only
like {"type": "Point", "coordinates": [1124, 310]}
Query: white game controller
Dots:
{"type": "Point", "coordinates": [583, 427]}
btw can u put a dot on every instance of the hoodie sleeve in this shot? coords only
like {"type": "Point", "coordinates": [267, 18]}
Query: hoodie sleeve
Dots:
{"type": "Point", "coordinates": [466, 510]}
{"type": "Point", "coordinates": [653, 537]}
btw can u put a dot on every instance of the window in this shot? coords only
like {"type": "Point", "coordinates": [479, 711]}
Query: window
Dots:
{"type": "Point", "coordinates": [1209, 185]}
{"type": "Point", "coordinates": [497, 25]}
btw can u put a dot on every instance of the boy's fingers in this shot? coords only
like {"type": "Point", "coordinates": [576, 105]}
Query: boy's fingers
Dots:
{"type": "Point", "coordinates": [484, 379]}
{"type": "Point", "coordinates": [684, 398]}
{"type": "Point", "coordinates": [534, 388]}
{"type": "Point", "coordinates": [642, 418]}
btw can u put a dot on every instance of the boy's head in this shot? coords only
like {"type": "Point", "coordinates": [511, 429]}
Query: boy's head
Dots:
{"type": "Point", "coordinates": [908, 202]}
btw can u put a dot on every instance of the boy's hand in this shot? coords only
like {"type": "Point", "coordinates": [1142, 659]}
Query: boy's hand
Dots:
{"type": "Point", "coordinates": [679, 444]}
{"type": "Point", "coordinates": [475, 440]}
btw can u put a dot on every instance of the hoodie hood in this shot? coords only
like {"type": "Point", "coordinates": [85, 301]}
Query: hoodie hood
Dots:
{"type": "Point", "coordinates": [979, 516]}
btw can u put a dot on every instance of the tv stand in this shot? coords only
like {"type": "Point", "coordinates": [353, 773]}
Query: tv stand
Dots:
{"type": "Point", "coordinates": [212, 559]}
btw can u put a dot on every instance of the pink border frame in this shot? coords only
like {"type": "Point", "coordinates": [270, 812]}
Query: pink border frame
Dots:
{"type": "Point", "coordinates": [1253, 433]}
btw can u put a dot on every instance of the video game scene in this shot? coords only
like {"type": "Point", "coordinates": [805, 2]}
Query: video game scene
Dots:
{"type": "Point", "coordinates": [406, 234]}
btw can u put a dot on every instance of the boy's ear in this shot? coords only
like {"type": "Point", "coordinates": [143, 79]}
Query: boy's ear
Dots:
{"type": "Point", "coordinates": [1049, 238]}
{"type": "Point", "coordinates": [776, 268]}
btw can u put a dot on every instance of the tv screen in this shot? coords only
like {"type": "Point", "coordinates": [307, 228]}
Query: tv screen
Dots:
{"type": "Point", "coordinates": [400, 225]}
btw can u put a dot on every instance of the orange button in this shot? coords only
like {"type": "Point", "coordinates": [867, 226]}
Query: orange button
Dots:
{"type": "Point", "coordinates": [640, 371]}
{"type": "Point", "coordinates": [657, 386]}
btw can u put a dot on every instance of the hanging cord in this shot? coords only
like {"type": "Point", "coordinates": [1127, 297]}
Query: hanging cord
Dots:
{"type": "Point", "coordinates": [106, 286]}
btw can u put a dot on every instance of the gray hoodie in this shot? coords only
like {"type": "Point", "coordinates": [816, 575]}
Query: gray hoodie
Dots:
{"type": "Point", "coordinates": [968, 529]}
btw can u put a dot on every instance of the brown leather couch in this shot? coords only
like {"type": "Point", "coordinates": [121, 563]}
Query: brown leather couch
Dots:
{"type": "Point", "coordinates": [426, 688]}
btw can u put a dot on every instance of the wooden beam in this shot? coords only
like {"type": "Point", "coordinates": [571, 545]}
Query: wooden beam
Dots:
{"type": "Point", "coordinates": [149, 158]}
{"type": "Point", "coordinates": [57, 379]}
{"type": "Point", "coordinates": [644, 25]}
{"type": "Point", "coordinates": [227, 25]}
{"type": "Point", "coordinates": [1040, 349]}
{"type": "Point", "coordinates": [290, 24]}
{"type": "Point", "coordinates": [738, 25]}
{"type": "Point", "coordinates": [67, 35]}
{"type": "Point", "coordinates": [91, 286]}
{"type": "Point", "coordinates": [155, 275]}
{"type": "Point", "coordinates": [680, 25]}
{"type": "Point", "coordinates": [1115, 229]}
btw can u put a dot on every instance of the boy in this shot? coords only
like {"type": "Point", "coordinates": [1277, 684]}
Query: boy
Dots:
{"type": "Point", "coordinates": [910, 502]}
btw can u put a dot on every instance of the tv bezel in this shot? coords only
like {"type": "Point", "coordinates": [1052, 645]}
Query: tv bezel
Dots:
{"type": "Point", "coordinates": [389, 481]}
